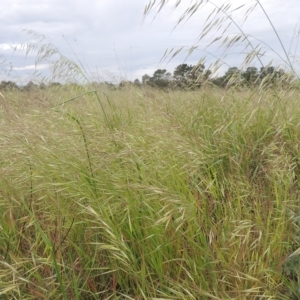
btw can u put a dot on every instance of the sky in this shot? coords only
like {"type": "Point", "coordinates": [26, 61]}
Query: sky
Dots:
{"type": "Point", "coordinates": [110, 40]}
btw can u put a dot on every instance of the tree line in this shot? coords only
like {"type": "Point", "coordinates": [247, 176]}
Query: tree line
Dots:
{"type": "Point", "coordinates": [187, 76]}
{"type": "Point", "coordinates": [11, 85]}
{"type": "Point", "coordinates": [191, 76]}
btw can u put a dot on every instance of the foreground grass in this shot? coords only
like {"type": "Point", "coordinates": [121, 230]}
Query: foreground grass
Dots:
{"type": "Point", "coordinates": [149, 195]}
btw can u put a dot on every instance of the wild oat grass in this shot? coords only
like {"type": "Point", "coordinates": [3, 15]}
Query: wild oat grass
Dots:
{"type": "Point", "coordinates": [181, 195]}
{"type": "Point", "coordinates": [145, 194]}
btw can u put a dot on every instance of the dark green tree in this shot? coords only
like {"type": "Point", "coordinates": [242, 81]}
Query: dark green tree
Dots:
{"type": "Point", "coordinates": [161, 78]}
{"type": "Point", "coordinates": [269, 76]}
{"type": "Point", "coordinates": [182, 71]}
{"type": "Point", "coordinates": [251, 75]}
{"type": "Point", "coordinates": [233, 73]}
{"type": "Point", "coordinates": [196, 72]}
{"type": "Point", "coordinates": [189, 76]}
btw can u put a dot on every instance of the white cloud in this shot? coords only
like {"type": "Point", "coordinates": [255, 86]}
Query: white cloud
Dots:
{"type": "Point", "coordinates": [32, 67]}
{"type": "Point", "coordinates": [5, 47]}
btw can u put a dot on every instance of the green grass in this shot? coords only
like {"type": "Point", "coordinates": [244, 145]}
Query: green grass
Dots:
{"type": "Point", "coordinates": [149, 195]}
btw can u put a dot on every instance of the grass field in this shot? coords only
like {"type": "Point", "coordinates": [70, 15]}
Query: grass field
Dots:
{"type": "Point", "coordinates": [145, 194]}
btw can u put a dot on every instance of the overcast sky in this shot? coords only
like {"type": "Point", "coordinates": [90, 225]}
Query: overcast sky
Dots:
{"type": "Point", "coordinates": [111, 41]}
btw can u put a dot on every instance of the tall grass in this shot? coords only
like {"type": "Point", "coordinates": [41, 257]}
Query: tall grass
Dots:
{"type": "Point", "coordinates": [182, 196]}
{"type": "Point", "coordinates": [138, 194]}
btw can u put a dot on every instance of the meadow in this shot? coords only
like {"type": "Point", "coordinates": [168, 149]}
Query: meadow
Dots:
{"type": "Point", "coordinates": [138, 193]}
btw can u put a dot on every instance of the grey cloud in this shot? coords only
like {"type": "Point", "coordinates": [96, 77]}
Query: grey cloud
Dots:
{"type": "Point", "coordinates": [110, 34]}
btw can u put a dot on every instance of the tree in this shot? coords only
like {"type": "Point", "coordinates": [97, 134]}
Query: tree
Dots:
{"type": "Point", "coordinates": [231, 71]}
{"type": "Point", "coordinates": [42, 86]}
{"type": "Point", "coordinates": [190, 76]}
{"type": "Point", "coordinates": [161, 78]}
{"type": "Point", "coordinates": [8, 85]}
{"type": "Point", "coordinates": [268, 75]}
{"type": "Point", "coordinates": [251, 75]}
{"type": "Point", "coordinates": [54, 84]}
{"type": "Point", "coordinates": [182, 71]}
{"type": "Point", "coordinates": [30, 86]}
{"type": "Point", "coordinates": [184, 76]}
{"type": "Point", "coordinates": [137, 82]}
{"type": "Point", "coordinates": [196, 72]}
{"type": "Point", "coordinates": [145, 78]}
{"type": "Point", "coordinates": [125, 83]}
{"type": "Point", "coordinates": [207, 74]}
{"type": "Point", "coordinates": [231, 75]}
